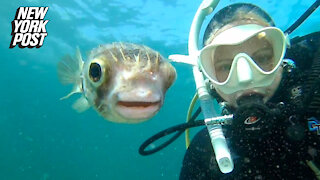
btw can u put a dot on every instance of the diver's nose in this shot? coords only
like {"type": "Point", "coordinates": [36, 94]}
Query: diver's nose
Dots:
{"type": "Point", "coordinates": [244, 72]}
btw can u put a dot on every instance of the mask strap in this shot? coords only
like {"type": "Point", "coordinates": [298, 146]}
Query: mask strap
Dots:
{"type": "Point", "coordinates": [303, 17]}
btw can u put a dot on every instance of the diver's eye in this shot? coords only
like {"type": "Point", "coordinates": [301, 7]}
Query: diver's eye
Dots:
{"type": "Point", "coordinates": [95, 72]}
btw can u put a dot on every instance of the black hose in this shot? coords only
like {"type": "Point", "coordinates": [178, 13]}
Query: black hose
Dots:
{"type": "Point", "coordinates": [178, 128]}
{"type": "Point", "coordinates": [303, 17]}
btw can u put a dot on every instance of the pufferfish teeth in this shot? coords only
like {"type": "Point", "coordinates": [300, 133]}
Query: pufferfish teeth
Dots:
{"type": "Point", "coordinates": [137, 103]}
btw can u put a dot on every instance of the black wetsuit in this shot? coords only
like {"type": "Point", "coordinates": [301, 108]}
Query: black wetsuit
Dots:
{"type": "Point", "coordinates": [283, 153]}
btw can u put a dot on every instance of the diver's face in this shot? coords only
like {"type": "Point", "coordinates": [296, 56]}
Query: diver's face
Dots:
{"type": "Point", "coordinates": [262, 53]}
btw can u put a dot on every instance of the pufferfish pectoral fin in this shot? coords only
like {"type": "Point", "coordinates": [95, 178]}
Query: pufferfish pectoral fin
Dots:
{"type": "Point", "coordinates": [81, 104]}
{"type": "Point", "coordinates": [69, 72]}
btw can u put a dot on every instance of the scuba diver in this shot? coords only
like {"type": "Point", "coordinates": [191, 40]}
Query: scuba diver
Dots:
{"type": "Point", "coordinates": [271, 87]}
{"type": "Point", "coordinates": [267, 86]}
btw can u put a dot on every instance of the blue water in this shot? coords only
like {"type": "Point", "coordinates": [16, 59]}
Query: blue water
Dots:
{"type": "Point", "coordinates": [42, 138]}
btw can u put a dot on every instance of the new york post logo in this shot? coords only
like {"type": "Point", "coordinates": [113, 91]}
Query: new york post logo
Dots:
{"type": "Point", "coordinates": [314, 125]}
{"type": "Point", "coordinates": [29, 27]}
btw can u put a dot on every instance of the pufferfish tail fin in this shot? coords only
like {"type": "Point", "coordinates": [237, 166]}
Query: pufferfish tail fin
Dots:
{"type": "Point", "coordinates": [69, 72]}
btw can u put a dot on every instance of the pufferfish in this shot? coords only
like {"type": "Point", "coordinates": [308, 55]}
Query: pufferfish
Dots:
{"type": "Point", "coordinates": [123, 82]}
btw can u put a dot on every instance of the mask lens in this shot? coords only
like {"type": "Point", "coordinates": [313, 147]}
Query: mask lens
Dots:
{"type": "Point", "coordinates": [258, 47]}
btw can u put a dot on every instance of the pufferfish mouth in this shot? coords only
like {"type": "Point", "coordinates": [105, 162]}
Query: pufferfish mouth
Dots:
{"type": "Point", "coordinates": [138, 109]}
{"type": "Point", "coordinates": [137, 104]}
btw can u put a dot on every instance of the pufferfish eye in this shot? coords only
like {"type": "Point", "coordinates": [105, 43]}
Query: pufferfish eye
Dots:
{"type": "Point", "coordinates": [95, 72]}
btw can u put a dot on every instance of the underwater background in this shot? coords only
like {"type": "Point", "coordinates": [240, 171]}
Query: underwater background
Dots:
{"type": "Point", "coordinates": [43, 138]}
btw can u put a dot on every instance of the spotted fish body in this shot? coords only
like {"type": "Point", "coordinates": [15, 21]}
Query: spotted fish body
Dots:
{"type": "Point", "coordinates": [124, 82]}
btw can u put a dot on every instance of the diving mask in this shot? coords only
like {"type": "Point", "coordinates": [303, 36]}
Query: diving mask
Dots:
{"type": "Point", "coordinates": [243, 57]}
